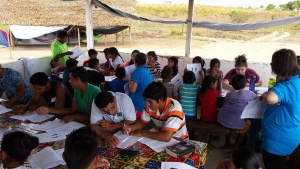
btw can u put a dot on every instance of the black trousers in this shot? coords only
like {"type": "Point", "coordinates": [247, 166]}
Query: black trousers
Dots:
{"type": "Point", "coordinates": [272, 161]}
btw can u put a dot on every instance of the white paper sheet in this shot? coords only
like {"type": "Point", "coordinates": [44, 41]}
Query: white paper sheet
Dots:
{"type": "Point", "coordinates": [109, 78]}
{"type": "Point", "coordinates": [195, 67]}
{"type": "Point", "coordinates": [49, 137]}
{"type": "Point", "coordinates": [46, 158]}
{"type": "Point", "coordinates": [77, 51]}
{"type": "Point", "coordinates": [3, 109]}
{"type": "Point", "coordinates": [24, 116]}
{"type": "Point", "coordinates": [254, 110]}
{"type": "Point", "coordinates": [177, 80]}
{"type": "Point", "coordinates": [125, 140]}
{"type": "Point", "coordinates": [49, 125]}
{"type": "Point", "coordinates": [175, 165]}
{"type": "Point", "coordinates": [157, 146]}
{"type": "Point", "coordinates": [67, 128]}
{"type": "Point", "coordinates": [36, 118]}
{"type": "Point", "coordinates": [60, 152]}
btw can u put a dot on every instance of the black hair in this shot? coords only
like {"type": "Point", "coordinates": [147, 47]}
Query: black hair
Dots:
{"type": "Point", "coordinates": [120, 73]}
{"type": "Point", "coordinates": [81, 148]}
{"type": "Point", "coordinates": [102, 99]}
{"type": "Point", "coordinates": [189, 77]}
{"type": "Point", "coordinates": [114, 51]}
{"type": "Point", "coordinates": [92, 52]}
{"type": "Point", "coordinates": [134, 51]}
{"type": "Point", "coordinates": [39, 78]}
{"type": "Point", "coordinates": [213, 62]}
{"type": "Point", "coordinates": [62, 34]}
{"type": "Point", "coordinates": [245, 158]}
{"type": "Point", "coordinates": [298, 59]}
{"type": "Point", "coordinates": [199, 60]}
{"type": "Point", "coordinates": [71, 63]}
{"type": "Point", "coordinates": [51, 62]}
{"type": "Point", "coordinates": [79, 72]}
{"type": "Point", "coordinates": [207, 83]}
{"type": "Point", "coordinates": [175, 60]}
{"type": "Point", "coordinates": [166, 73]}
{"type": "Point", "coordinates": [155, 91]}
{"type": "Point", "coordinates": [238, 81]}
{"type": "Point", "coordinates": [140, 59]}
{"type": "Point", "coordinates": [93, 62]}
{"type": "Point", "coordinates": [241, 61]}
{"type": "Point", "coordinates": [105, 51]}
{"type": "Point", "coordinates": [18, 145]}
{"type": "Point", "coordinates": [152, 54]}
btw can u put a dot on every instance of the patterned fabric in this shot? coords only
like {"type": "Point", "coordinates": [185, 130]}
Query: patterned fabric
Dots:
{"type": "Point", "coordinates": [171, 118]}
{"type": "Point", "coordinates": [9, 82]}
{"type": "Point", "coordinates": [156, 70]}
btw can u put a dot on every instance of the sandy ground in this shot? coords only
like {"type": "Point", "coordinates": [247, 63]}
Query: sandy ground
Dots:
{"type": "Point", "coordinates": [257, 50]}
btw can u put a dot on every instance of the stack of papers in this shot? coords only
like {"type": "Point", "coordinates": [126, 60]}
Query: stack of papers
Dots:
{"type": "Point", "coordinates": [4, 109]}
{"type": "Point", "coordinates": [32, 116]}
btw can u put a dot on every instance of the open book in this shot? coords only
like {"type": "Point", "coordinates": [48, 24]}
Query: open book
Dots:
{"type": "Point", "coordinates": [46, 158]}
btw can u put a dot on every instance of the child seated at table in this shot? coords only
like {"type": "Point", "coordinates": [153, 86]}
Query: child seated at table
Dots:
{"type": "Point", "coordinates": [188, 95]}
{"type": "Point", "coordinates": [92, 54]}
{"type": "Point", "coordinates": [208, 97]}
{"type": "Point", "coordinates": [166, 75]}
{"type": "Point", "coordinates": [173, 64]}
{"type": "Point", "coordinates": [117, 85]}
{"type": "Point", "coordinates": [15, 148]}
{"type": "Point", "coordinates": [242, 158]}
{"type": "Point", "coordinates": [81, 151]}
{"type": "Point", "coordinates": [57, 70]}
{"type": "Point", "coordinates": [230, 114]}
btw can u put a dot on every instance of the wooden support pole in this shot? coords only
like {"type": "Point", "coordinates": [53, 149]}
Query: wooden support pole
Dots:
{"type": "Point", "coordinates": [189, 28]}
{"type": "Point", "coordinates": [78, 36]}
{"type": "Point", "coordinates": [123, 37]}
{"type": "Point", "coordinates": [11, 39]}
{"type": "Point", "coordinates": [129, 36]}
{"type": "Point", "coordinates": [105, 40]}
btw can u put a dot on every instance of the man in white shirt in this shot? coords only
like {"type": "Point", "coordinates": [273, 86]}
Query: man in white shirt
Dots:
{"type": "Point", "coordinates": [111, 112]}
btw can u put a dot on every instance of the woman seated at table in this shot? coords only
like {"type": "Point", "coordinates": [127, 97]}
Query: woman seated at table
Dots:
{"type": "Point", "coordinates": [241, 67]}
{"type": "Point", "coordinates": [152, 64]}
{"type": "Point", "coordinates": [14, 86]}
{"type": "Point", "coordinates": [115, 60]}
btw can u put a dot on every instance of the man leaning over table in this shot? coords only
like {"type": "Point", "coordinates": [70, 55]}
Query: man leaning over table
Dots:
{"type": "Point", "coordinates": [166, 113]}
{"type": "Point", "coordinates": [84, 94]}
{"type": "Point", "coordinates": [110, 112]}
{"type": "Point", "coordinates": [59, 48]}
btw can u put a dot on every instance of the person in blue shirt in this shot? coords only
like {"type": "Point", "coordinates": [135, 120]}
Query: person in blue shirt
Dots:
{"type": "Point", "coordinates": [281, 121]}
{"type": "Point", "coordinates": [117, 85]}
{"type": "Point", "coordinates": [141, 77]}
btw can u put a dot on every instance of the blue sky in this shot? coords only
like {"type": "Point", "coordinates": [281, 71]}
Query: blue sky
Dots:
{"type": "Point", "coordinates": [232, 3]}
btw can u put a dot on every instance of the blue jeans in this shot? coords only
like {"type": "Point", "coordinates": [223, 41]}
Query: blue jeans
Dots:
{"type": "Point", "coordinates": [254, 129]}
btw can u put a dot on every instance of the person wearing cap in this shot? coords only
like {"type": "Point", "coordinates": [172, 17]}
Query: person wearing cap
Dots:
{"type": "Point", "coordinates": [241, 67]}
{"type": "Point", "coordinates": [71, 63]}
{"type": "Point", "coordinates": [59, 48]}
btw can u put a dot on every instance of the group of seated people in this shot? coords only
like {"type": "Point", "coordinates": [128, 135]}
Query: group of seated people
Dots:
{"type": "Point", "coordinates": [82, 95]}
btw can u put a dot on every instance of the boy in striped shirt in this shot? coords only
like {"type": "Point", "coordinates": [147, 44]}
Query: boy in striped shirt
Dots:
{"type": "Point", "coordinates": [166, 113]}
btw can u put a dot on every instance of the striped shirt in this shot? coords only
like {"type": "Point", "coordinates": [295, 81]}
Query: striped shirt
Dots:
{"type": "Point", "coordinates": [156, 70]}
{"type": "Point", "coordinates": [188, 96]}
{"type": "Point", "coordinates": [171, 119]}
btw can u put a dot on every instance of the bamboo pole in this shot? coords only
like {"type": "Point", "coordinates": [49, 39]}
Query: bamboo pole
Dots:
{"type": "Point", "coordinates": [11, 37]}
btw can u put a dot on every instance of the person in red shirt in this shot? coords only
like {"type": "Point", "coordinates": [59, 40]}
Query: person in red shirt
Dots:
{"type": "Point", "coordinates": [208, 97]}
{"type": "Point", "coordinates": [92, 54]}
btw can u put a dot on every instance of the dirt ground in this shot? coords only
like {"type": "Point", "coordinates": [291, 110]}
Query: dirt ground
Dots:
{"type": "Point", "coordinates": [257, 50]}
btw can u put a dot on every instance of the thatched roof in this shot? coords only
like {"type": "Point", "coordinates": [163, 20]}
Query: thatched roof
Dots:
{"type": "Point", "coordinates": [63, 13]}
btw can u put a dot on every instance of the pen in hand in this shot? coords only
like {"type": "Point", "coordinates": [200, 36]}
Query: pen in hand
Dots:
{"type": "Point", "coordinates": [126, 129]}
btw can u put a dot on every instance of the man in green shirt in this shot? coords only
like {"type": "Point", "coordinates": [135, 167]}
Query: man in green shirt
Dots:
{"type": "Point", "coordinates": [59, 48]}
{"type": "Point", "coordinates": [84, 94]}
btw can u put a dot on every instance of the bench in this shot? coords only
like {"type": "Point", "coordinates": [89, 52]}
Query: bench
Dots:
{"type": "Point", "coordinates": [213, 129]}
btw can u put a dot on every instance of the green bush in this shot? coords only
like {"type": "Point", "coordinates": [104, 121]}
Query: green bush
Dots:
{"type": "Point", "coordinates": [239, 16]}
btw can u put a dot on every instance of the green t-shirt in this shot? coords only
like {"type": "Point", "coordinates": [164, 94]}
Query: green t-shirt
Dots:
{"type": "Point", "coordinates": [57, 48]}
{"type": "Point", "coordinates": [84, 103]}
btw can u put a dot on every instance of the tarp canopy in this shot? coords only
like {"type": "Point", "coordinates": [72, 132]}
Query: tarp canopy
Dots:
{"type": "Point", "coordinates": [29, 32]}
{"type": "Point", "coordinates": [3, 39]}
{"type": "Point", "coordinates": [208, 25]}
{"type": "Point", "coordinates": [106, 30]}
